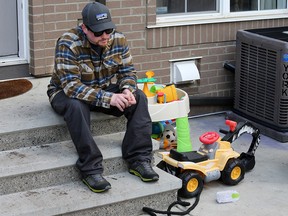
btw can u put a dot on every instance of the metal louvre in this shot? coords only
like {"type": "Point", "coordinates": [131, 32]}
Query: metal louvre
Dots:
{"type": "Point", "coordinates": [283, 112]}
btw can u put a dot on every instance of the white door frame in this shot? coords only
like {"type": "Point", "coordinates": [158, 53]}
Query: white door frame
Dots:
{"type": "Point", "coordinates": [23, 35]}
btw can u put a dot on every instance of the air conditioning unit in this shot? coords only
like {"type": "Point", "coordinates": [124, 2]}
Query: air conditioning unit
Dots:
{"type": "Point", "coordinates": [261, 76]}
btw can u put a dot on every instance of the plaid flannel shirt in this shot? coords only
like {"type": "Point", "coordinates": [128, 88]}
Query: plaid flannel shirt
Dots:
{"type": "Point", "coordinates": [84, 75]}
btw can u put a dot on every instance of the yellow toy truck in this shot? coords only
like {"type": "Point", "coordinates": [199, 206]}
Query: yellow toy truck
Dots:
{"type": "Point", "coordinates": [215, 159]}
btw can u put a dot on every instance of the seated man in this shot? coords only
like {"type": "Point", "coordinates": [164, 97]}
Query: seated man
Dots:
{"type": "Point", "coordinates": [86, 59]}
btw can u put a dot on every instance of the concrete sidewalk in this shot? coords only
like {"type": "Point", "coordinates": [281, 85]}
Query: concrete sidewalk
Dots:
{"type": "Point", "coordinates": [262, 192]}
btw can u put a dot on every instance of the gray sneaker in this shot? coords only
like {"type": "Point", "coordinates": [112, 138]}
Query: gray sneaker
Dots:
{"type": "Point", "coordinates": [96, 183]}
{"type": "Point", "coordinates": [144, 171]}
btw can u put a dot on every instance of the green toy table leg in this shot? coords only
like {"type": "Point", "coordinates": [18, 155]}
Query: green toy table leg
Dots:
{"type": "Point", "coordinates": [183, 135]}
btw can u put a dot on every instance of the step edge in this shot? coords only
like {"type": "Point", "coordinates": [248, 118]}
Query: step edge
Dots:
{"type": "Point", "coordinates": [166, 183]}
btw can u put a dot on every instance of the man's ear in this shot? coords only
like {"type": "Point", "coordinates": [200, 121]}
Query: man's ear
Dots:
{"type": "Point", "coordinates": [84, 28]}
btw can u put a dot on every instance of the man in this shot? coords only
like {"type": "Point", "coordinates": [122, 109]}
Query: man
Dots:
{"type": "Point", "coordinates": [86, 59]}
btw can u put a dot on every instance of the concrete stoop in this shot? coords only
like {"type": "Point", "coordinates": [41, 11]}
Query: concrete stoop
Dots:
{"type": "Point", "coordinates": [38, 176]}
{"type": "Point", "coordinates": [37, 169]}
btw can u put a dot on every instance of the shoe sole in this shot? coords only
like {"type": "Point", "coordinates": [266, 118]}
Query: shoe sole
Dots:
{"type": "Point", "coordinates": [96, 190]}
{"type": "Point", "coordinates": [133, 172]}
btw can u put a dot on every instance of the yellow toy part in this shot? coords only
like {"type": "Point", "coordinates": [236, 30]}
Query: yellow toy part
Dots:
{"type": "Point", "coordinates": [167, 94]}
{"type": "Point", "coordinates": [149, 74]}
{"type": "Point", "coordinates": [148, 81]}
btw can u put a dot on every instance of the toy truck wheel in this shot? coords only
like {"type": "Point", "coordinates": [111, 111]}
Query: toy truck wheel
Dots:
{"type": "Point", "coordinates": [192, 184]}
{"type": "Point", "coordinates": [233, 172]}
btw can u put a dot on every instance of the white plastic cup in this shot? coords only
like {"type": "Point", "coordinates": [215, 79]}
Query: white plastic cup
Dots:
{"type": "Point", "coordinates": [227, 196]}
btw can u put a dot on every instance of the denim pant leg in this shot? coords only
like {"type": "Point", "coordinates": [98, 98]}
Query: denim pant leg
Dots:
{"type": "Point", "coordinates": [137, 142]}
{"type": "Point", "coordinates": [77, 116]}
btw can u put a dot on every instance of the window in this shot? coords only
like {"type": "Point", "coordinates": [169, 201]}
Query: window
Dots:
{"type": "Point", "coordinates": [185, 6]}
{"type": "Point", "coordinates": [179, 12]}
{"type": "Point", "coordinates": [242, 5]}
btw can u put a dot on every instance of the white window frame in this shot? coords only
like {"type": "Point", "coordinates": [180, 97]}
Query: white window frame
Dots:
{"type": "Point", "coordinates": [23, 37]}
{"type": "Point", "coordinates": [224, 15]}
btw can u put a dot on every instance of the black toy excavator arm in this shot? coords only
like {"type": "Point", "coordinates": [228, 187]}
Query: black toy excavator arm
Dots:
{"type": "Point", "coordinates": [235, 131]}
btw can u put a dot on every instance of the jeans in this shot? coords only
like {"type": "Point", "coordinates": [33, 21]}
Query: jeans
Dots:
{"type": "Point", "coordinates": [136, 145]}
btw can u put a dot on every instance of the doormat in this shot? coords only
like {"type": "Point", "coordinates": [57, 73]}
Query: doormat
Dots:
{"type": "Point", "coordinates": [13, 88]}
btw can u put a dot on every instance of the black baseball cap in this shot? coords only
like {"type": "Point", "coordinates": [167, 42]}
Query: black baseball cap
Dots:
{"type": "Point", "coordinates": [96, 16]}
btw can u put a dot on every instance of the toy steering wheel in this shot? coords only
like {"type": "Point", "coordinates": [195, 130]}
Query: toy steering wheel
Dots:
{"type": "Point", "coordinates": [209, 137]}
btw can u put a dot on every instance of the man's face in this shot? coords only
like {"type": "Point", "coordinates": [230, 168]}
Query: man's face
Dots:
{"type": "Point", "coordinates": [101, 40]}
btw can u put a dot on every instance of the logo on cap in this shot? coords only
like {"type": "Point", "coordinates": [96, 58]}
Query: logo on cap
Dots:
{"type": "Point", "coordinates": [101, 16]}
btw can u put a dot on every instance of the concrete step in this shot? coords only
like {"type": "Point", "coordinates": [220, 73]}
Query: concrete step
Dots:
{"type": "Point", "coordinates": [46, 165]}
{"type": "Point", "coordinates": [43, 180]}
{"type": "Point", "coordinates": [28, 120]}
{"type": "Point", "coordinates": [101, 124]}
{"type": "Point", "coordinates": [127, 197]}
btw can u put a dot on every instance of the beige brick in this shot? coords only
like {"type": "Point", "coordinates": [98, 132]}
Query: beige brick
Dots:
{"type": "Point", "coordinates": [37, 36]}
{"type": "Point", "coordinates": [215, 32]}
{"type": "Point", "coordinates": [66, 8]}
{"type": "Point", "coordinates": [114, 4]}
{"type": "Point", "coordinates": [138, 27]}
{"type": "Point", "coordinates": [197, 34]}
{"type": "Point", "coordinates": [53, 34]}
{"type": "Point", "coordinates": [141, 59]}
{"type": "Point", "coordinates": [161, 57]}
{"type": "Point", "coordinates": [119, 12]}
{"type": "Point", "coordinates": [65, 25]}
{"type": "Point", "coordinates": [131, 19]}
{"type": "Point", "coordinates": [171, 37]}
{"type": "Point", "coordinates": [39, 27]}
{"type": "Point", "coordinates": [73, 16]}
{"type": "Point", "coordinates": [54, 17]}
{"type": "Point", "coordinates": [53, 2]}
{"type": "Point", "coordinates": [36, 2]}
{"type": "Point", "coordinates": [41, 62]}
{"type": "Point", "coordinates": [36, 10]}
{"type": "Point", "coordinates": [184, 35]}
{"type": "Point", "coordinates": [50, 43]}
{"type": "Point", "coordinates": [36, 19]}
{"type": "Point", "coordinates": [131, 3]}
{"type": "Point", "coordinates": [138, 43]}
{"type": "Point", "coordinates": [49, 52]}
{"type": "Point", "coordinates": [164, 36]}
{"type": "Point", "coordinates": [49, 9]}
{"type": "Point", "coordinates": [50, 26]}
{"type": "Point", "coordinates": [36, 45]}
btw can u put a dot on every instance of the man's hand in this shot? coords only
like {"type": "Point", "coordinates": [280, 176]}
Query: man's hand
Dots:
{"type": "Point", "coordinates": [123, 100]}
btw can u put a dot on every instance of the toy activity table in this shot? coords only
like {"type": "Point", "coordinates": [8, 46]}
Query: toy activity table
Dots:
{"type": "Point", "coordinates": [178, 110]}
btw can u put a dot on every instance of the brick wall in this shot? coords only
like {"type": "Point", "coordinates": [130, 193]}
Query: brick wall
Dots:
{"type": "Point", "coordinates": [215, 43]}
{"type": "Point", "coordinates": [152, 48]}
{"type": "Point", "coordinates": [48, 19]}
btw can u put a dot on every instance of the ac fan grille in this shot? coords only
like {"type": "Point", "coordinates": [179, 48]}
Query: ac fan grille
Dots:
{"type": "Point", "coordinates": [257, 83]}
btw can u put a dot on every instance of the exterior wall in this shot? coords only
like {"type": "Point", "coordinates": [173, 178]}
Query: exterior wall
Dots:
{"type": "Point", "coordinates": [152, 48]}
{"type": "Point", "coordinates": [48, 19]}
